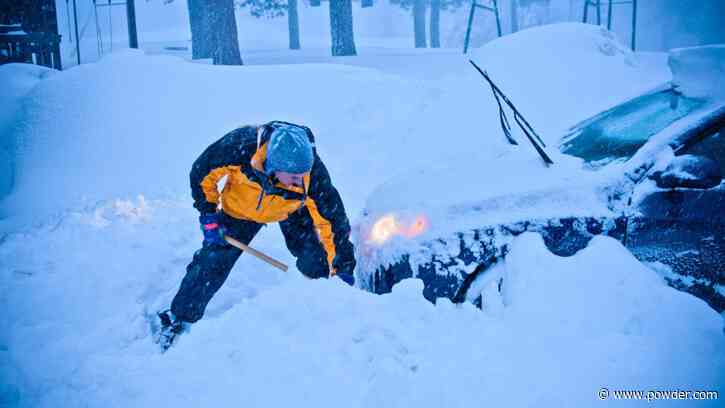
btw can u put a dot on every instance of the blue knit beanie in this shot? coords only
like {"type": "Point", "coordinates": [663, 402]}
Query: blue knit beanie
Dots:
{"type": "Point", "coordinates": [289, 150]}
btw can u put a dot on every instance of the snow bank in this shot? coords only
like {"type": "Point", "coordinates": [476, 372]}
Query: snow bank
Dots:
{"type": "Point", "coordinates": [73, 332]}
{"type": "Point", "coordinates": [699, 72]}
{"type": "Point", "coordinates": [16, 81]}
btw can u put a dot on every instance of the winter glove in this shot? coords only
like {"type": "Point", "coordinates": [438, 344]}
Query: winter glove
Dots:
{"type": "Point", "coordinates": [344, 265]}
{"type": "Point", "coordinates": [212, 228]}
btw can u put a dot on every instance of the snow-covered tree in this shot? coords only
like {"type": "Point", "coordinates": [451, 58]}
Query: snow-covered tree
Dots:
{"type": "Point", "coordinates": [435, 19]}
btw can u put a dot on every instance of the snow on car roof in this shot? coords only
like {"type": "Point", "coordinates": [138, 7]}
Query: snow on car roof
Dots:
{"type": "Point", "coordinates": [557, 75]}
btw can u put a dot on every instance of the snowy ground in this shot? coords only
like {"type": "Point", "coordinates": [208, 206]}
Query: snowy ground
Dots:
{"type": "Point", "coordinates": [99, 227]}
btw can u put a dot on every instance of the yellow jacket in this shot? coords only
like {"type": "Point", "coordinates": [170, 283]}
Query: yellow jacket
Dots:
{"type": "Point", "coordinates": [250, 194]}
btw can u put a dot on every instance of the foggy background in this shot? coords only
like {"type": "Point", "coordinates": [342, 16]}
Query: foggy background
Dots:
{"type": "Point", "coordinates": [661, 25]}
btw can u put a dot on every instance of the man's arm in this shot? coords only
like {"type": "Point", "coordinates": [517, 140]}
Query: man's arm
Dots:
{"type": "Point", "coordinates": [221, 158]}
{"type": "Point", "coordinates": [328, 214]}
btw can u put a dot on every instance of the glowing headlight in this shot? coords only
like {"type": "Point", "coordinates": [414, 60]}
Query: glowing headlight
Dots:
{"type": "Point", "coordinates": [383, 229]}
{"type": "Point", "coordinates": [388, 226]}
{"type": "Point", "coordinates": [417, 227]}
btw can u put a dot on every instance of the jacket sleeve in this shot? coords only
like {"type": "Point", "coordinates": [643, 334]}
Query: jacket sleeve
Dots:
{"type": "Point", "coordinates": [328, 214]}
{"type": "Point", "coordinates": [218, 160]}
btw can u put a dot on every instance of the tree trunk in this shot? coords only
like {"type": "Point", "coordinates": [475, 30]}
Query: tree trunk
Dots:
{"type": "Point", "coordinates": [293, 23]}
{"type": "Point", "coordinates": [419, 23]}
{"type": "Point", "coordinates": [343, 38]}
{"type": "Point", "coordinates": [201, 32]}
{"type": "Point", "coordinates": [514, 16]}
{"type": "Point", "coordinates": [226, 44]}
{"type": "Point", "coordinates": [435, 19]}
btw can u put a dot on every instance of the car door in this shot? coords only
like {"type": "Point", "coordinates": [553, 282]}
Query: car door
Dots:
{"type": "Point", "coordinates": [679, 223]}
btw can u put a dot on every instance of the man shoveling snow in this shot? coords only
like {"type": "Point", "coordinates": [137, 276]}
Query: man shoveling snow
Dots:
{"type": "Point", "coordinates": [273, 174]}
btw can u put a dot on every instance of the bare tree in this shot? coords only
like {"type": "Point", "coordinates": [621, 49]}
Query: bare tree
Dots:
{"type": "Point", "coordinates": [214, 31]}
{"type": "Point", "coordinates": [201, 29]}
{"type": "Point", "coordinates": [293, 25]}
{"type": "Point", "coordinates": [343, 38]}
{"type": "Point", "coordinates": [419, 7]}
{"type": "Point", "coordinates": [226, 42]}
{"type": "Point", "coordinates": [435, 19]}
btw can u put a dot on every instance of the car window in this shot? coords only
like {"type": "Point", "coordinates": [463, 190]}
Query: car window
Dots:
{"type": "Point", "coordinates": [712, 147]}
{"type": "Point", "coordinates": [618, 133]}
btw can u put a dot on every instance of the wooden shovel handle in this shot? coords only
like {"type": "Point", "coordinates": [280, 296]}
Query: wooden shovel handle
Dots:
{"type": "Point", "coordinates": [260, 255]}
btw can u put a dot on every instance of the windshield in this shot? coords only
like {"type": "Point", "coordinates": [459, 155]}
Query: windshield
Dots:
{"type": "Point", "coordinates": [617, 133]}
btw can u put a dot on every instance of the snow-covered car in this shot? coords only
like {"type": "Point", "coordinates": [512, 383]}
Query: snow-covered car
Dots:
{"type": "Point", "coordinates": [651, 178]}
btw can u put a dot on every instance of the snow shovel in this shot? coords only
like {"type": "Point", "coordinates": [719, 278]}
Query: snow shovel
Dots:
{"type": "Point", "coordinates": [266, 258]}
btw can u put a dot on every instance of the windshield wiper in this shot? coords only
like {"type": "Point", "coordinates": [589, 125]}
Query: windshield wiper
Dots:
{"type": "Point", "coordinates": [518, 117]}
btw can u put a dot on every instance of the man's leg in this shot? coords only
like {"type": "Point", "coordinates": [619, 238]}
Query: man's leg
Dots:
{"type": "Point", "coordinates": [209, 269]}
{"type": "Point", "coordinates": [302, 241]}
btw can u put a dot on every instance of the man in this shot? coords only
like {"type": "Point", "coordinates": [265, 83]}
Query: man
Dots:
{"type": "Point", "coordinates": [273, 174]}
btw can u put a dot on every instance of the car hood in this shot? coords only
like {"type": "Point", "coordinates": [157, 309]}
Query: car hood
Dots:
{"type": "Point", "coordinates": [470, 193]}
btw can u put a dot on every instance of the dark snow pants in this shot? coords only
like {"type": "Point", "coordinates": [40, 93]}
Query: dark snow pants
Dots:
{"type": "Point", "coordinates": [211, 264]}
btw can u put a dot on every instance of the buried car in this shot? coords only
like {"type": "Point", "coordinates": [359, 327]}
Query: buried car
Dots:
{"type": "Point", "coordinates": [651, 177]}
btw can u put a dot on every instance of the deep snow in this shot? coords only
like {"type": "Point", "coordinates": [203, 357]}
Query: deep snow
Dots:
{"type": "Point", "coordinates": [100, 227]}
{"type": "Point", "coordinates": [75, 334]}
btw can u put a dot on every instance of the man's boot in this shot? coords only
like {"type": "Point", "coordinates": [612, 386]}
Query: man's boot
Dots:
{"type": "Point", "coordinates": [169, 328]}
